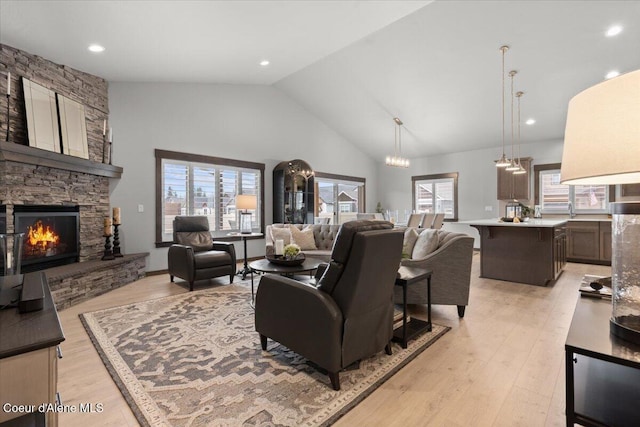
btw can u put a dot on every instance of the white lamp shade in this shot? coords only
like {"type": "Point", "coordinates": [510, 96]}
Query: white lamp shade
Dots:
{"type": "Point", "coordinates": [246, 201]}
{"type": "Point", "coordinates": [602, 135]}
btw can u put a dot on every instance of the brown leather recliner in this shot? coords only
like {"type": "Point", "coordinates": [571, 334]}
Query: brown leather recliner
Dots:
{"type": "Point", "coordinates": [195, 256]}
{"type": "Point", "coordinates": [349, 316]}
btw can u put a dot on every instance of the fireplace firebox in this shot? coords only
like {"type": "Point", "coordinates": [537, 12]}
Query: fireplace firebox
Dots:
{"type": "Point", "coordinates": [52, 235]}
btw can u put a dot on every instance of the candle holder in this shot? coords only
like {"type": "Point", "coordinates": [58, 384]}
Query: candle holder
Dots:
{"type": "Point", "coordinates": [108, 253]}
{"type": "Point", "coordinates": [8, 117]}
{"type": "Point", "coordinates": [104, 148]}
{"type": "Point", "coordinates": [116, 242]}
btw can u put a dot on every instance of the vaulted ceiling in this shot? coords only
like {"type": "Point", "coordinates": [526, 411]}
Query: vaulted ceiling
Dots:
{"type": "Point", "coordinates": [354, 64]}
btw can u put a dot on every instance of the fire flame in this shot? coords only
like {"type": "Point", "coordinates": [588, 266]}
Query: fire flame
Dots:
{"type": "Point", "coordinates": [40, 235]}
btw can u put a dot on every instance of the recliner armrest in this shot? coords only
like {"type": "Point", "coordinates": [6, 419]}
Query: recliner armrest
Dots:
{"type": "Point", "coordinates": [226, 247]}
{"type": "Point", "coordinates": [181, 261]}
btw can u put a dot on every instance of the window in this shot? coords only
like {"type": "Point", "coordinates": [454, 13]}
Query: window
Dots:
{"type": "Point", "coordinates": [554, 197]}
{"type": "Point", "coordinates": [436, 194]}
{"type": "Point", "coordinates": [338, 197]}
{"type": "Point", "coordinates": [188, 184]}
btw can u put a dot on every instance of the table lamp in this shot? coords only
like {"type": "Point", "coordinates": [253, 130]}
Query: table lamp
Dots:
{"type": "Point", "coordinates": [246, 202]}
{"type": "Point", "coordinates": [602, 146]}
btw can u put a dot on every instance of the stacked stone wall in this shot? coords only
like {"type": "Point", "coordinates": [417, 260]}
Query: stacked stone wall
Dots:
{"type": "Point", "coordinates": [34, 184]}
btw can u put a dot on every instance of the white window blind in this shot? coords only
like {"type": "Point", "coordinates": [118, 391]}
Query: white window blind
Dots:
{"type": "Point", "coordinates": [193, 188]}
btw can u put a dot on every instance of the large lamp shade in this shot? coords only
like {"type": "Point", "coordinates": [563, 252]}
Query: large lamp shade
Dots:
{"type": "Point", "coordinates": [602, 134]}
{"type": "Point", "coordinates": [246, 201]}
{"type": "Point", "coordinates": [602, 146]}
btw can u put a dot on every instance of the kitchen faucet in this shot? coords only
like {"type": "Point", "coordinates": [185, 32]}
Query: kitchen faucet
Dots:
{"type": "Point", "coordinates": [571, 211]}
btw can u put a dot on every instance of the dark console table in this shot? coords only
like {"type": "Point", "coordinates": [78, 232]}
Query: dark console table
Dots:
{"type": "Point", "coordinates": [28, 358]}
{"type": "Point", "coordinates": [603, 371]}
{"type": "Point", "coordinates": [407, 276]}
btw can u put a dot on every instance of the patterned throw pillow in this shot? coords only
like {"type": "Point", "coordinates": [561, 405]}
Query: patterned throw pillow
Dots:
{"type": "Point", "coordinates": [303, 238]}
{"type": "Point", "coordinates": [410, 238]}
{"type": "Point", "coordinates": [281, 233]}
{"type": "Point", "coordinates": [427, 242]}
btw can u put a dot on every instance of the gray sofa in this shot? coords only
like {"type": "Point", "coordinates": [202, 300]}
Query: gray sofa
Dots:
{"type": "Point", "coordinates": [323, 234]}
{"type": "Point", "coordinates": [451, 277]}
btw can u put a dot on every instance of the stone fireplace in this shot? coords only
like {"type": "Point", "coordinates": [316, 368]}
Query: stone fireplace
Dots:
{"type": "Point", "coordinates": [75, 191]}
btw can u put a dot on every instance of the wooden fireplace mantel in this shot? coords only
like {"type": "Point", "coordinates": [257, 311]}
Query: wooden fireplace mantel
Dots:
{"type": "Point", "coordinates": [10, 151]}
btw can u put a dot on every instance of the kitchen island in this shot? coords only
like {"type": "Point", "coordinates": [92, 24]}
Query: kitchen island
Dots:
{"type": "Point", "coordinates": [532, 252]}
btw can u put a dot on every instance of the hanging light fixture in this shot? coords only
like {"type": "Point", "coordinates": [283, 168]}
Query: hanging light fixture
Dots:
{"type": "Point", "coordinates": [512, 165]}
{"type": "Point", "coordinates": [520, 170]}
{"type": "Point", "coordinates": [397, 160]}
{"type": "Point", "coordinates": [503, 162]}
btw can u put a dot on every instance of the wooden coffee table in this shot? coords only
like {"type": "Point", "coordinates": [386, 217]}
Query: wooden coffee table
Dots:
{"type": "Point", "coordinates": [265, 266]}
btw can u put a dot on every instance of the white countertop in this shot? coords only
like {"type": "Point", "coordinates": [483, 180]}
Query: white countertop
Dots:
{"type": "Point", "coordinates": [531, 223]}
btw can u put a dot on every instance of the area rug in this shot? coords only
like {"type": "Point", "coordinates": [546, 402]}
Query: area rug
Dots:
{"type": "Point", "coordinates": [194, 359]}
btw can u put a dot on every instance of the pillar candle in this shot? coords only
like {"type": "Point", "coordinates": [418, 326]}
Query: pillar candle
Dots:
{"type": "Point", "coordinates": [110, 134]}
{"type": "Point", "coordinates": [9, 260]}
{"type": "Point", "coordinates": [279, 247]}
{"type": "Point", "coordinates": [107, 226]}
{"type": "Point", "coordinates": [116, 216]}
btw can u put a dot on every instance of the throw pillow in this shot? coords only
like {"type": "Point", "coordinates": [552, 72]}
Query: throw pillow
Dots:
{"type": "Point", "coordinates": [283, 234]}
{"type": "Point", "coordinates": [303, 238]}
{"type": "Point", "coordinates": [410, 237]}
{"type": "Point", "coordinates": [427, 242]}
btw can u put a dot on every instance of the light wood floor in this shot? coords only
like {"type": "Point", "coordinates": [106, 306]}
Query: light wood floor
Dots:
{"type": "Point", "coordinates": [502, 365]}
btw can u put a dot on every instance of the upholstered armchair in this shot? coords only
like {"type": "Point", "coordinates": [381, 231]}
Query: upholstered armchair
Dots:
{"type": "Point", "coordinates": [349, 315]}
{"type": "Point", "coordinates": [449, 259]}
{"type": "Point", "coordinates": [195, 256]}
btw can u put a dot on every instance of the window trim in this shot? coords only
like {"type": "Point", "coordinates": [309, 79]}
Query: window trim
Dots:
{"type": "Point", "coordinates": [199, 158]}
{"type": "Point", "coordinates": [362, 205]}
{"type": "Point", "coordinates": [552, 166]}
{"type": "Point", "coordinates": [453, 175]}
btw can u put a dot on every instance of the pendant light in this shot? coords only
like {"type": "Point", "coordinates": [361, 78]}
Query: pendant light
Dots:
{"type": "Point", "coordinates": [512, 165]}
{"type": "Point", "coordinates": [503, 162]}
{"type": "Point", "coordinates": [397, 160]}
{"type": "Point", "coordinates": [520, 170]}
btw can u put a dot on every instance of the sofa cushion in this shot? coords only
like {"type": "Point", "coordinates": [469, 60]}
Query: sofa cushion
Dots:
{"type": "Point", "coordinates": [303, 238]}
{"type": "Point", "coordinates": [410, 238]}
{"type": "Point", "coordinates": [320, 254]}
{"type": "Point", "coordinates": [283, 234]}
{"type": "Point", "coordinates": [426, 243]}
{"type": "Point", "coordinates": [325, 235]}
{"type": "Point", "coordinates": [198, 240]}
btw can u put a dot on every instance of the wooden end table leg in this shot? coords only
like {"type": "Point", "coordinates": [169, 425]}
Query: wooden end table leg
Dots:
{"type": "Point", "coordinates": [404, 315]}
{"type": "Point", "coordinates": [429, 303]}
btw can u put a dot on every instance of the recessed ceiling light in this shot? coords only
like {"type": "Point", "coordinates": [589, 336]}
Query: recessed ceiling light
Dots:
{"type": "Point", "coordinates": [96, 48]}
{"type": "Point", "coordinates": [613, 31]}
{"type": "Point", "coordinates": [530, 121]}
{"type": "Point", "coordinates": [264, 63]}
{"type": "Point", "coordinates": [611, 74]}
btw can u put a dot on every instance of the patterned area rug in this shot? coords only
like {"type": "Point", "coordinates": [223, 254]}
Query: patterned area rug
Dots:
{"type": "Point", "coordinates": [194, 359]}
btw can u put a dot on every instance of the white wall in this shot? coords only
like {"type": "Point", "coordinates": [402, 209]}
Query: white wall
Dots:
{"type": "Point", "coordinates": [477, 180]}
{"type": "Point", "coordinates": [246, 122]}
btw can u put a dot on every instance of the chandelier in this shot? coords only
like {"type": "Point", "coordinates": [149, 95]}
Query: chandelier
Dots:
{"type": "Point", "coordinates": [397, 160]}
